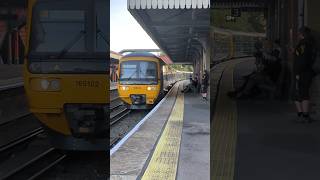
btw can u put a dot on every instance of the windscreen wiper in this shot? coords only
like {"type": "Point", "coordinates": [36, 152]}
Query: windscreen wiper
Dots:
{"type": "Point", "coordinates": [71, 44]}
{"type": "Point", "coordinates": [99, 32]}
{"type": "Point", "coordinates": [131, 76]}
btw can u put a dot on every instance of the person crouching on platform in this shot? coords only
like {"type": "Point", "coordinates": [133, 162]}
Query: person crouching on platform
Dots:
{"type": "Point", "coordinates": [303, 73]}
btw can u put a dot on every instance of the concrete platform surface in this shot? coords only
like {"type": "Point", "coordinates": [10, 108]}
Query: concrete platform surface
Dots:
{"type": "Point", "coordinates": [194, 160]}
{"type": "Point", "coordinates": [128, 162]}
{"type": "Point", "coordinates": [257, 138]}
{"type": "Point", "coordinates": [151, 152]}
{"type": "Point", "coordinates": [270, 144]}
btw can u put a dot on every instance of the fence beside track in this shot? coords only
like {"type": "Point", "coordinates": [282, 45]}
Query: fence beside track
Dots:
{"type": "Point", "coordinates": [228, 44]}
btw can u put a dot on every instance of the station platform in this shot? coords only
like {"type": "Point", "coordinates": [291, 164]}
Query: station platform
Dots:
{"type": "Point", "coordinates": [171, 142]}
{"type": "Point", "coordinates": [258, 138]}
{"type": "Point", "coordinates": [10, 76]}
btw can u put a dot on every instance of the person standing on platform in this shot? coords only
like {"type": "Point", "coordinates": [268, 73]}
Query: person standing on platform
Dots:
{"type": "Point", "coordinates": [205, 84]}
{"type": "Point", "coordinates": [303, 72]}
{"type": "Point", "coordinates": [195, 84]}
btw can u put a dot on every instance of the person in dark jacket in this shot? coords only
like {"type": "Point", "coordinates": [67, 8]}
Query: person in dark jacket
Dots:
{"type": "Point", "coordinates": [205, 84]}
{"type": "Point", "coordinates": [303, 73]}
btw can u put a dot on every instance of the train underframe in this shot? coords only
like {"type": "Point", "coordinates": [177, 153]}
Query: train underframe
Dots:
{"type": "Point", "coordinates": [89, 127]}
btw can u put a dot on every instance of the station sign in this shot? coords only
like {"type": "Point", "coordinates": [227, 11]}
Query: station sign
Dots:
{"type": "Point", "coordinates": [229, 18]}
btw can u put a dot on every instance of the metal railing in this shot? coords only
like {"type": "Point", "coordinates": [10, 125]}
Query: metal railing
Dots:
{"type": "Point", "coordinates": [230, 44]}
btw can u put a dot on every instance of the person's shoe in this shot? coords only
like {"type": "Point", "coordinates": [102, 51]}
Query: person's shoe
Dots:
{"type": "Point", "coordinates": [307, 119]}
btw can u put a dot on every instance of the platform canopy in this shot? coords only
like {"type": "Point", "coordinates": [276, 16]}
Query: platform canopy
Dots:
{"type": "Point", "coordinates": [238, 4]}
{"type": "Point", "coordinates": [178, 27]}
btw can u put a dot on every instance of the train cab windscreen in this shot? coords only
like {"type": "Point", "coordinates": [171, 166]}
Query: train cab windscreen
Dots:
{"type": "Point", "coordinates": [138, 72]}
{"type": "Point", "coordinates": [69, 37]}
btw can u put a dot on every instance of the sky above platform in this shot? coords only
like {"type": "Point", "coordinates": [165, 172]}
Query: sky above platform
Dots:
{"type": "Point", "coordinates": [125, 31]}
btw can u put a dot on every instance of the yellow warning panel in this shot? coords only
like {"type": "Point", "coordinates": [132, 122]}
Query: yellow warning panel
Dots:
{"type": "Point", "coordinates": [224, 128]}
{"type": "Point", "coordinates": [164, 161]}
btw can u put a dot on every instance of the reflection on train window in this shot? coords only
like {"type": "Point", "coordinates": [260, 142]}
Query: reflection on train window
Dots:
{"type": "Point", "coordinates": [129, 71]}
{"type": "Point", "coordinates": [138, 72]}
{"type": "Point", "coordinates": [54, 28]}
{"type": "Point", "coordinates": [64, 38]}
{"type": "Point", "coordinates": [102, 23]}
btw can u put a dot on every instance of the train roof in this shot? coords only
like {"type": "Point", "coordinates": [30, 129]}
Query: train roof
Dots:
{"type": "Point", "coordinates": [115, 55]}
{"type": "Point", "coordinates": [163, 58]}
{"type": "Point", "coordinates": [141, 54]}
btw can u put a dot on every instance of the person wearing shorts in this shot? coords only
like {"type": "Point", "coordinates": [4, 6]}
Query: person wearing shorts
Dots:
{"type": "Point", "coordinates": [303, 73]}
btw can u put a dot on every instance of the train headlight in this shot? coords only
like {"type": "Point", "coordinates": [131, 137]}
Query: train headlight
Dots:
{"type": "Point", "coordinates": [151, 88]}
{"type": "Point", "coordinates": [55, 85]}
{"type": "Point", "coordinates": [44, 84]}
{"type": "Point", "coordinates": [38, 84]}
{"type": "Point", "coordinates": [124, 88]}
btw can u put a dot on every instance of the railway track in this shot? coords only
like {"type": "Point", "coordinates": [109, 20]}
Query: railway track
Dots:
{"type": "Point", "coordinates": [35, 167]}
{"type": "Point", "coordinates": [118, 110]}
{"type": "Point", "coordinates": [22, 116]}
{"type": "Point", "coordinates": [41, 161]}
{"type": "Point", "coordinates": [117, 113]}
{"type": "Point", "coordinates": [17, 144]}
{"type": "Point", "coordinates": [17, 133]}
{"type": "Point", "coordinates": [11, 86]}
{"type": "Point", "coordinates": [10, 147]}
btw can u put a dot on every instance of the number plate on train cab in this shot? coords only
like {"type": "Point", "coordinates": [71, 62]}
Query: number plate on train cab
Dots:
{"type": "Point", "coordinates": [136, 87]}
{"type": "Point", "coordinates": [88, 83]}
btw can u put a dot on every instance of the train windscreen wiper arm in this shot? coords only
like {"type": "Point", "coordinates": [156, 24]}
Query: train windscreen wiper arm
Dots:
{"type": "Point", "coordinates": [71, 44]}
{"type": "Point", "coordinates": [99, 32]}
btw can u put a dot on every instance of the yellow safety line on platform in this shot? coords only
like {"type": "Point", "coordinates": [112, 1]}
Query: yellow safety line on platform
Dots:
{"type": "Point", "coordinates": [164, 161]}
{"type": "Point", "coordinates": [224, 128]}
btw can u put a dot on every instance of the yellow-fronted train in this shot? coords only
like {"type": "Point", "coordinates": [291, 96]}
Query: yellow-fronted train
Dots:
{"type": "Point", "coordinates": [66, 71]}
{"type": "Point", "coordinates": [144, 78]}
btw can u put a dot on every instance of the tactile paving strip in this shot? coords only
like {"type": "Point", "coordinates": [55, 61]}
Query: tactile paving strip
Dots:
{"type": "Point", "coordinates": [164, 161]}
{"type": "Point", "coordinates": [224, 128]}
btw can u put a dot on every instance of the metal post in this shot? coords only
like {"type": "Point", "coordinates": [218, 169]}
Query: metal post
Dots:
{"type": "Point", "coordinates": [9, 48]}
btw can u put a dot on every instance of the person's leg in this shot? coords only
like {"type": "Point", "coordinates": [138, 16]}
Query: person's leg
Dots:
{"type": "Point", "coordinates": [186, 88]}
{"type": "Point", "coordinates": [306, 80]}
{"type": "Point", "coordinates": [247, 88]}
{"type": "Point", "coordinates": [237, 92]}
{"type": "Point", "coordinates": [203, 96]}
{"type": "Point", "coordinates": [298, 107]}
{"type": "Point", "coordinates": [193, 88]}
{"type": "Point", "coordinates": [204, 92]}
{"type": "Point", "coordinates": [300, 118]}
{"type": "Point", "coordinates": [305, 106]}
